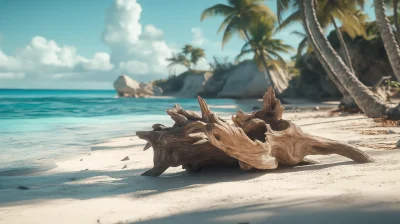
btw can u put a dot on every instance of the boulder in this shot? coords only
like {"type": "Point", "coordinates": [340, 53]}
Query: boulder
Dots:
{"type": "Point", "coordinates": [127, 87]}
{"type": "Point", "coordinates": [215, 83]}
{"type": "Point", "coordinates": [246, 81]}
{"type": "Point", "coordinates": [193, 84]}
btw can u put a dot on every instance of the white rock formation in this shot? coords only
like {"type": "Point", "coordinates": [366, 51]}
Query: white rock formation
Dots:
{"type": "Point", "coordinates": [127, 87]}
{"type": "Point", "coordinates": [193, 83]}
{"type": "Point", "coordinates": [246, 81]}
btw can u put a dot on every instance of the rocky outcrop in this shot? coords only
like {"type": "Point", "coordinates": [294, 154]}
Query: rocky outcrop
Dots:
{"type": "Point", "coordinates": [193, 84]}
{"type": "Point", "coordinates": [240, 81]}
{"type": "Point", "coordinates": [246, 81]}
{"type": "Point", "coordinates": [369, 61]}
{"type": "Point", "coordinates": [127, 87]}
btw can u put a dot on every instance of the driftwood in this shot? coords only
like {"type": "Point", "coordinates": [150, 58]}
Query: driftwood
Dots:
{"type": "Point", "coordinates": [261, 140]}
{"type": "Point", "coordinates": [177, 145]}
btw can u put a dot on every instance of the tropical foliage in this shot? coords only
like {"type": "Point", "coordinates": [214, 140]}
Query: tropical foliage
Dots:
{"type": "Point", "coordinates": [239, 14]}
{"type": "Point", "coordinates": [265, 49]}
{"type": "Point", "coordinates": [194, 54]}
{"type": "Point", "coordinates": [254, 22]}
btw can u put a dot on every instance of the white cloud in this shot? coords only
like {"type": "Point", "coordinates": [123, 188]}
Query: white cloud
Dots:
{"type": "Point", "coordinates": [122, 23]}
{"type": "Point", "coordinates": [46, 55]}
{"type": "Point", "coordinates": [153, 33]}
{"type": "Point", "coordinates": [198, 37]}
{"type": "Point", "coordinates": [43, 58]}
{"type": "Point", "coordinates": [135, 50]}
{"type": "Point", "coordinates": [202, 64]}
{"type": "Point", "coordinates": [8, 63]}
{"type": "Point", "coordinates": [11, 75]}
{"type": "Point", "coordinates": [134, 67]}
{"type": "Point", "coordinates": [100, 62]}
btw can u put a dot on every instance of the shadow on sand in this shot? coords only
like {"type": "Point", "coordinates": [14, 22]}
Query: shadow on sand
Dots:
{"type": "Point", "coordinates": [278, 212]}
{"type": "Point", "coordinates": [96, 184]}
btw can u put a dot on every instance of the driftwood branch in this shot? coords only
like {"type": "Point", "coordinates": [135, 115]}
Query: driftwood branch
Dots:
{"type": "Point", "coordinates": [259, 140]}
{"type": "Point", "coordinates": [180, 145]}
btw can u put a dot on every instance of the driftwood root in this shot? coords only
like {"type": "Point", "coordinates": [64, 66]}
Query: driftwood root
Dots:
{"type": "Point", "coordinates": [260, 140]}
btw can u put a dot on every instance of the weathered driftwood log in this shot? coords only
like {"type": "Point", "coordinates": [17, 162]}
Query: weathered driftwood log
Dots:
{"type": "Point", "coordinates": [262, 139]}
{"type": "Point", "coordinates": [178, 145]}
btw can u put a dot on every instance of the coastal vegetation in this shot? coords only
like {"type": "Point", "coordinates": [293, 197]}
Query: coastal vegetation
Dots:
{"type": "Point", "coordinates": [189, 57]}
{"type": "Point", "coordinates": [254, 22]}
{"type": "Point", "coordinates": [341, 53]}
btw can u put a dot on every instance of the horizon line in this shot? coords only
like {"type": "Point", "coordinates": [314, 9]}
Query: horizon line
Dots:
{"type": "Point", "coordinates": [52, 89]}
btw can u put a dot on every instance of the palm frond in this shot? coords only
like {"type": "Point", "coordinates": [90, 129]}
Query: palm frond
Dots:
{"type": "Point", "coordinates": [293, 18]}
{"type": "Point", "coordinates": [242, 54]}
{"type": "Point", "coordinates": [301, 47]}
{"type": "Point", "coordinates": [216, 10]}
{"type": "Point", "coordinates": [226, 22]}
{"type": "Point", "coordinates": [232, 28]}
{"type": "Point", "coordinates": [282, 6]}
{"type": "Point", "coordinates": [299, 34]}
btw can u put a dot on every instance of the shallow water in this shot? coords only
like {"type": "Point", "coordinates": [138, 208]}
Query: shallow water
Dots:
{"type": "Point", "coordinates": [38, 127]}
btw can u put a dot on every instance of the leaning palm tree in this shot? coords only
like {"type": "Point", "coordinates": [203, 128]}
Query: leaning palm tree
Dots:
{"type": "Point", "coordinates": [388, 38]}
{"type": "Point", "coordinates": [346, 11]}
{"type": "Point", "coordinates": [394, 4]}
{"type": "Point", "coordinates": [297, 16]}
{"type": "Point", "coordinates": [266, 51]}
{"type": "Point", "coordinates": [364, 98]}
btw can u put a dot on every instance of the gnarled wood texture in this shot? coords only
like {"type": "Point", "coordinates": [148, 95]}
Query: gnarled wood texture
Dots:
{"type": "Point", "coordinates": [287, 142]}
{"type": "Point", "coordinates": [178, 145]}
{"type": "Point", "coordinates": [260, 140]}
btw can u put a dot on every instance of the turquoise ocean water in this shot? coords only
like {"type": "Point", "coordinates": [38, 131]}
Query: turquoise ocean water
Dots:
{"type": "Point", "coordinates": [38, 127]}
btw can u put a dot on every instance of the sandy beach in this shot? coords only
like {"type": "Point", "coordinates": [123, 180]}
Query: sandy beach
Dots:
{"type": "Point", "coordinates": [100, 188]}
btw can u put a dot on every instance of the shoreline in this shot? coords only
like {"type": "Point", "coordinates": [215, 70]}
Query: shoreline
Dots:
{"type": "Point", "coordinates": [246, 105]}
{"type": "Point", "coordinates": [98, 186]}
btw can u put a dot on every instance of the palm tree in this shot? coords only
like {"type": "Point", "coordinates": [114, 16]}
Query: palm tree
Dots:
{"type": "Point", "coordinates": [297, 16]}
{"type": "Point", "coordinates": [239, 15]}
{"type": "Point", "coordinates": [196, 55]}
{"type": "Point", "coordinates": [187, 49]}
{"type": "Point", "coordinates": [266, 51]}
{"type": "Point", "coordinates": [303, 45]}
{"type": "Point", "coordinates": [328, 11]}
{"type": "Point", "coordinates": [389, 41]}
{"type": "Point", "coordinates": [363, 97]}
{"type": "Point", "coordinates": [178, 59]}
{"type": "Point", "coordinates": [394, 4]}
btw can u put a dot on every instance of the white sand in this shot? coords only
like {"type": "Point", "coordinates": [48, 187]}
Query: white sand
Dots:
{"type": "Point", "coordinates": [335, 191]}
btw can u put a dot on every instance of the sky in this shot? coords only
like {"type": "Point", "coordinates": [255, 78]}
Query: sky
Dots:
{"type": "Point", "coordinates": [87, 44]}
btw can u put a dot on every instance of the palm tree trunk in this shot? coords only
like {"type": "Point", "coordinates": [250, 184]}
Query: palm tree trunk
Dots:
{"type": "Point", "coordinates": [346, 95]}
{"type": "Point", "coordinates": [389, 41]}
{"type": "Point", "coordinates": [268, 73]}
{"type": "Point", "coordinates": [273, 82]}
{"type": "Point", "coordinates": [396, 19]}
{"type": "Point", "coordinates": [364, 98]}
{"type": "Point", "coordinates": [343, 45]}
